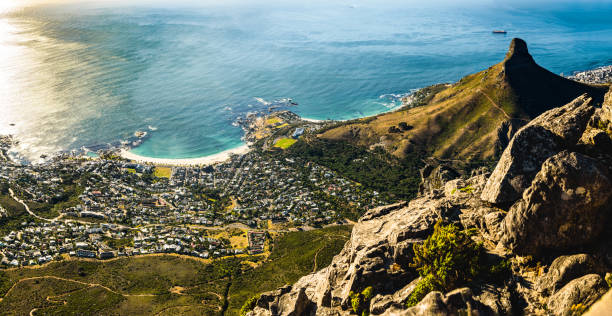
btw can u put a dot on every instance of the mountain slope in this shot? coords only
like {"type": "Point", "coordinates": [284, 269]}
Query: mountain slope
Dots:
{"type": "Point", "coordinates": [473, 118]}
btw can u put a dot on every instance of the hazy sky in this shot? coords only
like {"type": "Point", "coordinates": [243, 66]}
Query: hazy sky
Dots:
{"type": "Point", "coordinates": [6, 3]}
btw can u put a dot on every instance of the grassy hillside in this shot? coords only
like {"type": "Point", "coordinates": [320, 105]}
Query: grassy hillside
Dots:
{"type": "Point", "coordinates": [165, 284]}
{"type": "Point", "coordinates": [293, 256]}
{"type": "Point", "coordinates": [472, 119]}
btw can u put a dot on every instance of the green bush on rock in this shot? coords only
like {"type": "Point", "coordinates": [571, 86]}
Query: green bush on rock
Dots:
{"type": "Point", "coordinates": [249, 305]}
{"type": "Point", "coordinates": [425, 285]}
{"type": "Point", "coordinates": [361, 301]}
{"type": "Point", "coordinates": [449, 259]}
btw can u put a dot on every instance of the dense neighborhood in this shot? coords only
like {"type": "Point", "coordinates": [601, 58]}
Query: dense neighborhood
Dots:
{"type": "Point", "coordinates": [107, 207]}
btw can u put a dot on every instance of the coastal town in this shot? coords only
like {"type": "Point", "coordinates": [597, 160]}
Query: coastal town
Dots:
{"type": "Point", "coordinates": [73, 206]}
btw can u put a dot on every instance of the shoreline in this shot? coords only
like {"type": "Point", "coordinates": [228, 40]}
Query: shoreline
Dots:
{"type": "Point", "coordinates": [198, 161]}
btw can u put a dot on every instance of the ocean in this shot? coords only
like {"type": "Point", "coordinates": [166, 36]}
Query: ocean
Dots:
{"type": "Point", "coordinates": [74, 75]}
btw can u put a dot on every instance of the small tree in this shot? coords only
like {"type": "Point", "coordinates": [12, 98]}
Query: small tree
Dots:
{"type": "Point", "coordinates": [446, 260]}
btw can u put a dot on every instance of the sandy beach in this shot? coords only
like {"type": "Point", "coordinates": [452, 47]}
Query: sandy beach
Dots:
{"type": "Point", "coordinates": [200, 161]}
{"type": "Point", "coordinates": [313, 120]}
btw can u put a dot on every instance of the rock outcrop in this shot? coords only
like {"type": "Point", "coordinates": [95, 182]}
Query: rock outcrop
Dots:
{"type": "Point", "coordinates": [584, 290]}
{"type": "Point", "coordinates": [549, 200]}
{"type": "Point", "coordinates": [563, 207]}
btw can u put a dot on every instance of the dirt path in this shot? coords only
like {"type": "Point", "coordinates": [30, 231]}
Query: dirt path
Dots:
{"type": "Point", "coordinates": [74, 281]}
{"type": "Point", "coordinates": [314, 266]}
{"type": "Point", "coordinates": [495, 104]}
{"type": "Point", "coordinates": [27, 208]}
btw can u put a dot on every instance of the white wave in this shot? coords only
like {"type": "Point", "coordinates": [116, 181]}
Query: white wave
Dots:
{"type": "Point", "coordinates": [262, 101]}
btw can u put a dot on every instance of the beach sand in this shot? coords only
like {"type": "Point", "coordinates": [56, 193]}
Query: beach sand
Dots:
{"type": "Point", "coordinates": [200, 161]}
{"type": "Point", "coordinates": [313, 120]}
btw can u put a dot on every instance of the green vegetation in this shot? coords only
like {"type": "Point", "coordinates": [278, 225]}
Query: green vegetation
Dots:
{"type": "Point", "coordinates": [605, 126]}
{"type": "Point", "coordinates": [360, 302]}
{"type": "Point", "coordinates": [119, 243]}
{"type": "Point", "coordinates": [378, 170]}
{"type": "Point", "coordinates": [577, 309]}
{"type": "Point", "coordinates": [273, 120]}
{"type": "Point", "coordinates": [608, 279]}
{"type": "Point", "coordinates": [87, 301]}
{"type": "Point", "coordinates": [449, 259]}
{"type": "Point", "coordinates": [249, 305]}
{"type": "Point", "coordinates": [16, 214]}
{"type": "Point", "coordinates": [285, 143]}
{"type": "Point", "coordinates": [218, 201]}
{"type": "Point", "coordinates": [68, 197]}
{"type": "Point", "coordinates": [149, 285]}
{"type": "Point", "coordinates": [293, 256]}
{"type": "Point", "coordinates": [162, 172]}
{"type": "Point", "coordinates": [425, 285]}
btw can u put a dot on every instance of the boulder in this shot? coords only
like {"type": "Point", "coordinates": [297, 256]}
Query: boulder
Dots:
{"type": "Point", "coordinates": [569, 121]}
{"type": "Point", "coordinates": [565, 206]}
{"type": "Point", "coordinates": [519, 163]}
{"type": "Point", "coordinates": [381, 304]}
{"type": "Point", "coordinates": [585, 290]}
{"type": "Point", "coordinates": [434, 177]}
{"type": "Point", "coordinates": [564, 269]}
{"type": "Point", "coordinates": [495, 300]}
{"type": "Point", "coordinates": [554, 130]}
{"type": "Point", "coordinates": [456, 302]}
{"type": "Point", "coordinates": [296, 303]}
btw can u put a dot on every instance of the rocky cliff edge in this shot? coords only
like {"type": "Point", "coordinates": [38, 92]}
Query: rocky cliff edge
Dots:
{"type": "Point", "coordinates": [546, 208]}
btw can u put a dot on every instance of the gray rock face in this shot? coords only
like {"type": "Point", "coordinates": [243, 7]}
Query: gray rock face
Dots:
{"type": "Point", "coordinates": [564, 269]}
{"type": "Point", "coordinates": [457, 302]}
{"type": "Point", "coordinates": [543, 137]}
{"type": "Point", "coordinates": [605, 113]}
{"type": "Point", "coordinates": [585, 290]}
{"type": "Point", "coordinates": [519, 163]}
{"type": "Point", "coordinates": [565, 206]}
{"type": "Point", "coordinates": [381, 304]}
{"type": "Point", "coordinates": [378, 254]}
{"type": "Point", "coordinates": [434, 177]}
{"type": "Point", "coordinates": [569, 121]}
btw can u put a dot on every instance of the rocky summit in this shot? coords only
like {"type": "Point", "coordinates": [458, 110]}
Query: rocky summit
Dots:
{"type": "Point", "coordinates": [545, 210]}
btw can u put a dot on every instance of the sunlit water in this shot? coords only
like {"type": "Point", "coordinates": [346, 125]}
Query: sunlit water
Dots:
{"type": "Point", "coordinates": [73, 76]}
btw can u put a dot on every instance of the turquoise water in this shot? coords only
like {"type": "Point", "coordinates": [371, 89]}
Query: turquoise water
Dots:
{"type": "Point", "coordinates": [75, 75]}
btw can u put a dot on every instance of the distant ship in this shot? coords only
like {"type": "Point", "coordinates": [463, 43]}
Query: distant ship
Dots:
{"type": "Point", "coordinates": [499, 32]}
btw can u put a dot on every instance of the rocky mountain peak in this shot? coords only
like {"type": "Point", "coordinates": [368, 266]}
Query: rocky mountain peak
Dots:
{"type": "Point", "coordinates": [518, 52]}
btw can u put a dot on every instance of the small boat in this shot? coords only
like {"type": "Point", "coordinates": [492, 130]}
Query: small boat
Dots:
{"type": "Point", "coordinates": [499, 32]}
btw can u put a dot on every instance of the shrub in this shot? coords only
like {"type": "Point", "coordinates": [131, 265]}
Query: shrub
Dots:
{"type": "Point", "coordinates": [449, 255]}
{"type": "Point", "coordinates": [577, 309]}
{"type": "Point", "coordinates": [361, 301]}
{"type": "Point", "coordinates": [448, 259]}
{"type": "Point", "coordinates": [425, 285]}
{"type": "Point", "coordinates": [608, 279]}
{"type": "Point", "coordinates": [249, 305]}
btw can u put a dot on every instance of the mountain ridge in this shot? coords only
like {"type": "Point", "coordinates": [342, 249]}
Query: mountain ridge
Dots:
{"type": "Point", "coordinates": [474, 118]}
